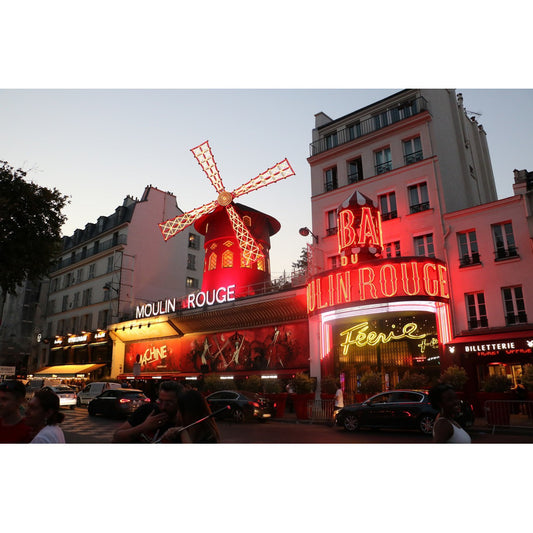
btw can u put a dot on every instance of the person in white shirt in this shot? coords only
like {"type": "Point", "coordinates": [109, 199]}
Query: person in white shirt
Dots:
{"type": "Point", "coordinates": [339, 399]}
{"type": "Point", "coordinates": [43, 416]}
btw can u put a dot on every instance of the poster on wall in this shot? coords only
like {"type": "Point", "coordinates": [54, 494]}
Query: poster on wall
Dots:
{"type": "Point", "coordinates": [272, 347]}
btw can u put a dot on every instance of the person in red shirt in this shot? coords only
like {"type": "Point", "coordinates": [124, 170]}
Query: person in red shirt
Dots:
{"type": "Point", "coordinates": [13, 428]}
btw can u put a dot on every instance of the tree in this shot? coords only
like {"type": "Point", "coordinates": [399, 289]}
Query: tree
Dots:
{"type": "Point", "coordinates": [30, 229]}
{"type": "Point", "coordinates": [302, 263]}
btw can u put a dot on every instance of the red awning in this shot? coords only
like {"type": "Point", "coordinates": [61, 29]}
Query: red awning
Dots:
{"type": "Point", "coordinates": [491, 337]}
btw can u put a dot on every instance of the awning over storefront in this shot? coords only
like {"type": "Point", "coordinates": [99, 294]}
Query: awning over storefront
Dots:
{"type": "Point", "coordinates": [67, 371]}
{"type": "Point", "coordinates": [511, 343]}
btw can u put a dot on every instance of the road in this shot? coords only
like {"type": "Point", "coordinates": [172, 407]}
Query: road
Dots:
{"type": "Point", "coordinates": [79, 427]}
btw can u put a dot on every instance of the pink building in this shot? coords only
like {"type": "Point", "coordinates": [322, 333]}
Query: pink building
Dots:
{"type": "Point", "coordinates": [426, 164]}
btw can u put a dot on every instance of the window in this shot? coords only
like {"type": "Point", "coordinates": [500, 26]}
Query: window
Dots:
{"type": "Point", "coordinates": [355, 170]}
{"type": "Point", "coordinates": [79, 275]}
{"type": "Point", "coordinates": [504, 244]}
{"type": "Point", "coordinates": [330, 179]}
{"type": "Point", "coordinates": [191, 283]}
{"type": "Point", "coordinates": [64, 305]}
{"type": "Point", "coordinates": [331, 222]}
{"type": "Point", "coordinates": [392, 249]}
{"type": "Point", "coordinates": [383, 160]}
{"type": "Point", "coordinates": [103, 318]}
{"type": "Point", "coordinates": [412, 151]}
{"type": "Point", "coordinates": [86, 322]}
{"type": "Point", "coordinates": [331, 140]}
{"type": "Point", "coordinates": [468, 251]}
{"type": "Point", "coordinates": [87, 295]}
{"type": "Point", "coordinates": [109, 264]}
{"type": "Point", "coordinates": [96, 247]}
{"type": "Point", "coordinates": [476, 310]}
{"type": "Point", "coordinates": [92, 271]}
{"type": "Point", "coordinates": [191, 262]}
{"type": "Point", "coordinates": [212, 261]}
{"type": "Point", "coordinates": [381, 120]}
{"type": "Point", "coordinates": [51, 307]}
{"type": "Point", "coordinates": [227, 259]}
{"type": "Point", "coordinates": [424, 245]}
{"type": "Point", "coordinates": [194, 241]}
{"type": "Point", "coordinates": [387, 206]}
{"type": "Point", "coordinates": [84, 252]}
{"type": "Point", "coordinates": [354, 131]}
{"type": "Point", "coordinates": [513, 304]}
{"type": "Point", "coordinates": [418, 197]}
{"type": "Point", "coordinates": [335, 261]}
{"type": "Point", "coordinates": [77, 299]}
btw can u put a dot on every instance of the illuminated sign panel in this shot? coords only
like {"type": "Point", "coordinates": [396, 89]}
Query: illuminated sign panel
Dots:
{"type": "Point", "coordinates": [371, 281]}
{"type": "Point", "coordinates": [487, 348]}
{"type": "Point", "coordinates": [388, 339]}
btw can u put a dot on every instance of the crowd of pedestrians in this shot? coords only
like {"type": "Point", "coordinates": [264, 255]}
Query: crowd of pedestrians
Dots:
{"type": "Point", "coordinates": [178, 415]}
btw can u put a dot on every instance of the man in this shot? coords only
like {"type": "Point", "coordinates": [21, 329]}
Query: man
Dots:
{"type": "Point", "coordinates": [13, 428]}
{"type": "Point", "coordinates": [339, 399]}
{"type": "Point", "coordinates": [149, 422]}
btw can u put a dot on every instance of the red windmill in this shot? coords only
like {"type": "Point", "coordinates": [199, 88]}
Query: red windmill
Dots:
{"type": "Point", "coordinates": [204, 156]}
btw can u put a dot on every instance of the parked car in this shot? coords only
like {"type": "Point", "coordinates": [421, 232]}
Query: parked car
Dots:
{"type": "Point", "coordinates": [67, 395]}
{"type": "Point", "coordinates": [396, 409]}
{"type": "Point", "coordinates": [117, 402]}
{"type": "Point", "coordinates": [92, 390]}
{"type": "Point", "coordinates": [243, 405]}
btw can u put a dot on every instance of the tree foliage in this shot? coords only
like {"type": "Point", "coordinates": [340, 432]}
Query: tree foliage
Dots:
{"type": "Point", "coordinates": [30, 228]}
{"type": "Point", "coordinates": [302, 262]}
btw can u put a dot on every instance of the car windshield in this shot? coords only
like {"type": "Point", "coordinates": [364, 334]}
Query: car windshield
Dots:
{"type": "Point", "coordinates": [62, 389]}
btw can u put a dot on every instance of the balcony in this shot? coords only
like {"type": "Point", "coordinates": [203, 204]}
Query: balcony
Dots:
{"type": "Point", "coordinates": [413, 158]}
{"type": "Point", "coordinates": [417, 208]}
{"type": "Point", "coordinates": [383, 167]}
{"type": "Point", "coordinates": [506, 253]}
{"type": "Point", "coordinates": [331, 231]}
{"type": "Point", "coordinates": [356, 130]}
{"type": "Point", "coordinates": [389, 216]}
{"type": "Point", "coordinates": [520, 318]}
{"type": "Point", "coordinates": [84, 253]}
{"type": "Point", "coordinates": [474, 323]}
{"type": "Point", "coordinates": [469, 260]}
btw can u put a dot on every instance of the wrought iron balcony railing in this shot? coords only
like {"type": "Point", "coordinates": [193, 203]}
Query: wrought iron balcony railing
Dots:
{"type": "Point", "coordinates": [358, 129]}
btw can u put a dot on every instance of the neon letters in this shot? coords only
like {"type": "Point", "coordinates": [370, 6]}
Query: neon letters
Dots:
{"type": "Point", "coordinates": [367, 281]}
{"type": "Point", "coordinates": [219, 296]}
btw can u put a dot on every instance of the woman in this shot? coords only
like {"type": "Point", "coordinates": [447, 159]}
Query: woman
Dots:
{"type": "Point", "coordinates": [445, 429]}
{"type": "Point", "coordinates": [194, 407]}
{"type": "Point", "coordinates": [43, 416]}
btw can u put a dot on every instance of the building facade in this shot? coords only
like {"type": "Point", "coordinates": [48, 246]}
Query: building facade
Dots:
{"type": "Point", "coordinates": [426, 166]}
{"type": "Point", "coordinates": [104, 271]}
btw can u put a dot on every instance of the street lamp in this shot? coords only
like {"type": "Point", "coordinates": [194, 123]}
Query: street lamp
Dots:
{"type": "Point", "coordinates": [305, 231]}
{"type": "Point", "coordinates": [108, 287]}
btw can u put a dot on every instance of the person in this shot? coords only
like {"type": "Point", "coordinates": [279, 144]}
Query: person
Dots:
{"type": "Point", "coordinates": [521, 395]}
{"type": "Point", "coordinates": [151, 421]}
{"type": "Point", "coordinates": [44, 417]}
{"type": "Point", "coordinates": [13, 427]}
{"type": "Point", "coordinates": [194, 407]}
{"type": "Point", "coordinates": [339, 399]}
{"type": "Point", "coordinates": [443, 398]}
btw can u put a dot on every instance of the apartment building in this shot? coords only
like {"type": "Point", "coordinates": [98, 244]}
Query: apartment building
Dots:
{"type": "Point", "coordinates": [107, 269]}
{"type": "Point", "coordinates": [426, 165]}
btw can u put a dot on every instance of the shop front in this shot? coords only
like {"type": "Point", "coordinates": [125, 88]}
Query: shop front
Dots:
{"type": "Point", "coordinates": [375, 315]}
{"type": "Point", "coordinates": [483, 356]}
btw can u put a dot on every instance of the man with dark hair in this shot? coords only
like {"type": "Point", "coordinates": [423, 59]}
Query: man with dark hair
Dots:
{"type": "Point", "coordinates": [150, 421]}
{"type": "Point", "coordinates": [13, 428]}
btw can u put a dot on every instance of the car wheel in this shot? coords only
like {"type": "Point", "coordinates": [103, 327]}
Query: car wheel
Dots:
{"type": "Point", "coordinates": [91, 411]}
{"type": "Point", "coordinates": [425, 424]}
{"type": "Point", "coordinates": [72, 406]}
{"type": "Point", "coordinates": [238, 416]}
{"type": "Point", "coordinates": [78, 402]}
{"type": "Point", "coordinates": [351, 423]}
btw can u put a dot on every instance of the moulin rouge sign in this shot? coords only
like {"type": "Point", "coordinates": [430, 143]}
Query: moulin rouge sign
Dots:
{"type": "Point", "coordinates": [362, 278]}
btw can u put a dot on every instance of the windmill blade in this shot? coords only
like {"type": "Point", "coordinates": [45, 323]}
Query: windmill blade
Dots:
{"type": "Point", "coordinates": [276, 173]}
{"type": "Point", "coordinates": [205, 159]}
{"type": "Point", "coordinates": [179, 223]}
{"type": "Point", "coordinates": [250, 250]}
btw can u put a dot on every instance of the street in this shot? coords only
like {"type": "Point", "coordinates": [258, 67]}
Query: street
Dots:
{"type": "Point", "coordinates": [79, 427]}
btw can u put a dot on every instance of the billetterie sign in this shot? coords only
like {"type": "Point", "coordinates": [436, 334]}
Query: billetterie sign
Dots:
{"type": "Point", "coordinates": [366, 282]}
{"type": "Point", "coordinates": [192, 301]}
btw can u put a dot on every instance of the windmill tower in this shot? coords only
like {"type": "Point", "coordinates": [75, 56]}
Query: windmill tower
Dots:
{"type": "Point", "coordinates": [237, 238]}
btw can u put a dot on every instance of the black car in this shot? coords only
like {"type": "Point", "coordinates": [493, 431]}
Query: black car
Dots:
{"type": "Point", "coordinates": [396, 409]}
{"type": "Point", "coordinates": [243, 405]}
{"type": "Point", "coordinates": [117, 402]}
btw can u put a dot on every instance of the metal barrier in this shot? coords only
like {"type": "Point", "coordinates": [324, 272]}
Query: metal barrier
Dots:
{"type": "Point", "coordinates": [321, 410]}
{"type": "Point", "coordinates": [509, 413]}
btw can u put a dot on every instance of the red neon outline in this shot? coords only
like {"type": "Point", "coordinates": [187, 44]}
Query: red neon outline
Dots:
{"type": "Point", "coordinates": [347, 235]}
{"type": "Point", "coordinates": [393, 281]}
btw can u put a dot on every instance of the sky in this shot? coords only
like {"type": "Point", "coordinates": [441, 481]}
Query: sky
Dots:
{"type": "Point", "coordinates": [99, 145]}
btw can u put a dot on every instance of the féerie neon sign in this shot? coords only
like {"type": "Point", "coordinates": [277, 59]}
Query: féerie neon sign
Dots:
{"type": "Point", "coordinates": [359, 336]}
